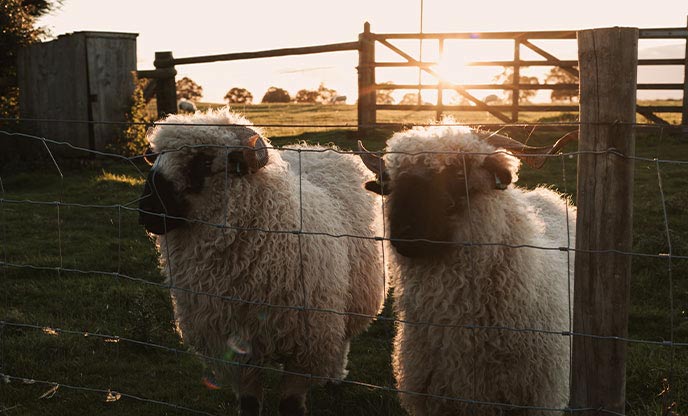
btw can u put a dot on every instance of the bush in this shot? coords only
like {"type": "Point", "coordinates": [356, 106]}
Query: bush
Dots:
{"type": "Point", "coordinates": [239, 96]}
{"type": "Point", "coordinates": [132, 141]}
{"type": "Point", "coordinates": [307, 96]}
{"type": "Point", "coordinates": [188, 89]}
{"type": "Point", "coordinates": [276, 95]}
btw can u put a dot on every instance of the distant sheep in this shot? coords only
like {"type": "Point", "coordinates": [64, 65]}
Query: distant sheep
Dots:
{"type": "Point", "coordinates": [438, 199]}
{"type": "Point", "coordinates": [186, 106]}
{"type": "Point", "coordinates": [338, 99]}
{"type": "Point", "coordinates": [263, 196]}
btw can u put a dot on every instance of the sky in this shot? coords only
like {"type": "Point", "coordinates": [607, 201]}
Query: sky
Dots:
{"type": "Point", "coordinates": [205, 27]}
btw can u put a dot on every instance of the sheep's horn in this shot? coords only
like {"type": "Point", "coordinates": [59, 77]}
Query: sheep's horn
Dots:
{"type": "Point", "coordinates": [149, 156]}
{"type": "Point", "coordinates": [256, 155]}
{"type": "Point", "coordinates": [530, 155]}
{"type": "Point", "coordinates": [371, 160]}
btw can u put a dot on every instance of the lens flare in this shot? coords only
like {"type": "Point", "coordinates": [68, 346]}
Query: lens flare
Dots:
{"type": "Point", "coordinates": [239, 345]}
{"type": "Point", "coordinates": [210, 383]}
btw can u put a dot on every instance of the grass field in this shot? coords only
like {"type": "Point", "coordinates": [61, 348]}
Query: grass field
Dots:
{"type": "Point", "coordinates": [66, 242]}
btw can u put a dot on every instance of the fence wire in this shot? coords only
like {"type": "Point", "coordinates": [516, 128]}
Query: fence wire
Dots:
{"type": "Point", "coordinates": [299, 232]}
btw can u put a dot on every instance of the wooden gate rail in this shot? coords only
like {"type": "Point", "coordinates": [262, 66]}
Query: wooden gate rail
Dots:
{"type": "Point", "coordinates": [519, 38]}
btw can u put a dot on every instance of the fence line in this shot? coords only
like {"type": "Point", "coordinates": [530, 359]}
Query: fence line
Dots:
{"type": "Point", "coordinates": [376, 238]}
{"type": "Point", "coordinates": [109, 393]}
{"type": "Point", "coordinates": [5, 264]}
{"type": "Point", "coordinates": [53, 331]}
{"type": "Point", "coordinates": [352, 152]}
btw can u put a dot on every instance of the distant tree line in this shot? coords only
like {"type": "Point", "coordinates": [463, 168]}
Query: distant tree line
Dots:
{"type": "Point", "coordinates": [190, 90]}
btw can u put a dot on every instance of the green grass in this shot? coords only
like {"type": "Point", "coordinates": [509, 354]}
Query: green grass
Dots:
{"type": "Point", "coordinates": [110, 240]}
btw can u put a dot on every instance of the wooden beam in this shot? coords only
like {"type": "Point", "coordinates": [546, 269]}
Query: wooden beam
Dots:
{"type": "Point", "coordinates": [608, 60]}
{"type": "Point", "coordinates": [367, 94]}
{"type": "Point", "coordinates": [650, 115]}
{"type": "Point", "coordinates": [165, 88]}
{"type": "Point", "coordinates": [149, 89]}
{"type": "Point", "coordinates": [661, 108]}
{"type": "Point", "coordinates": [551, 34]}
{"type": "Point", "coordinates": [549, 62]}
{"type": "Point", "coordinates": [660, 86]}
{"type": "Point", "coordinates": [440, 85]}
{"type": "Point", "coordinates": [516, 80]}
{"type": "Point", "coordinates": [334, 47]}
{"type": "Point", "coordinates": [550, 57]}
{"type": "Point", "coordinates": [491, 86]}
{"type": "Point", "coordinates": [650, 33]}
{"type": "Point", "coordinates": [664, 33]}
{"type": "Point", "coordinates": [521, 108]}
{"type": "Point", "coordinates": [684, 113]}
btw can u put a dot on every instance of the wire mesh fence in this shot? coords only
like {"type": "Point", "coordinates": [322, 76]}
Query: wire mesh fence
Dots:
{"type": "Point", "coordinates": [85, 308]}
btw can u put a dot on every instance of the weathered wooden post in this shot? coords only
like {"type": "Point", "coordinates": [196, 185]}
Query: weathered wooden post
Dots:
{"type": "Point", "coordinates": [440, 85]}
{"type": "Point", "coordinates": [684, 116]}
{"type": "Point", "coordinates": [516, 92]}
{"type": "Point", "coordinates": [608, 62]}
{"type": "Point", "coordinates": [367, 95]}
{"type": "Point", "coordinates": [165, 87]}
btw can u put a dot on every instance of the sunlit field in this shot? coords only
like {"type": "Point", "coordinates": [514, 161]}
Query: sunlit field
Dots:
{"type": "Point", "coordinates": [82, 240]}
{"type": "Point", "coordinates": [312, 115]}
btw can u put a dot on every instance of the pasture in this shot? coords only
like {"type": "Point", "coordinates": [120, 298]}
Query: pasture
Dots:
{"type": "Point", "coordinates": [71, 245]}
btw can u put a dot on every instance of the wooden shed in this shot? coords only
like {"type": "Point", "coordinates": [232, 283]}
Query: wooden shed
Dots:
{"type": "Point", "coordinates": [84, 79]}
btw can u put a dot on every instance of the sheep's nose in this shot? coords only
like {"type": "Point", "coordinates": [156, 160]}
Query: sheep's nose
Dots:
{"type": "Point", "coordinates": [159, 197]}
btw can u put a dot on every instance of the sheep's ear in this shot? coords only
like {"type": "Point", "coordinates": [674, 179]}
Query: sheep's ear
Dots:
{"type": "Point", "coordinates": [501, 167]}
{"type": "Point", "coordinates": [256, 153]}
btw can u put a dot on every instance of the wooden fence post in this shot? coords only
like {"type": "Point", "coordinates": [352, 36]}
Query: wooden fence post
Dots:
{"type": "Point", "coordinates": [440, 84]}
{"type": "Point", "coordinates": [608, 62]}
{"type": "Point", "coordinates": [367, 95]}
{"type": "Point", "coordinates": [516, 92]}
{"type": "Point", "coordinates": [165, 88]}
{"type": "Point", "coordinates": [684, 117]}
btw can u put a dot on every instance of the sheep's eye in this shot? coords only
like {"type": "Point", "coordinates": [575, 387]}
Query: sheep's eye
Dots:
{"type": "Point", "coordinates": [200, 168]}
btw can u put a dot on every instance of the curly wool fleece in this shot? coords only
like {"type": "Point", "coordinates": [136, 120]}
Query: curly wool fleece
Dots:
{"type": "Point", "coordinates": [260, 258]}
{"type": "Point", "coordinates": [485, 286]}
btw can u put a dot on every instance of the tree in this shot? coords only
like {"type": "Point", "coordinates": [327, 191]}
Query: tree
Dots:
{"type": "Point", "coordinates": [492, 98]}
{"type": "Point", "coordinates": [452, 97]}
{"type": "Point", "coordinates": [18, 28]}
{"type": "Point", "coordinates": [411, 98]}
{"type": "Point", "coordinates": [384, 96]}
{"type": "Point", "coordinates": [507, 77]}
{"type": "Point", "coordinates": [188, 89]}
{"type": "Point", "coordinates": [325, 95]}
{"type": "Point", "coordinates": [276, 95]}
{"type": "Point", "coordinates": [239, 96]}
{"type": "Point", "coordinates": [558, 75]}
{"type": "Point", "coordinates": [321, 95]}
{"type": "Point", "coordinates": [307, 96]}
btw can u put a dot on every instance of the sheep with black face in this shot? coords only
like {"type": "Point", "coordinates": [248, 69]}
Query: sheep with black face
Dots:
{"type": "Point", "coordinates": [237, 219]}
{"type": "Point", "coordinates": [447, 186]}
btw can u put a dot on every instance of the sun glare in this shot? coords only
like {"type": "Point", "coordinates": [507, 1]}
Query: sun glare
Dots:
{"type": "Point", "coordinates": [451, 69]}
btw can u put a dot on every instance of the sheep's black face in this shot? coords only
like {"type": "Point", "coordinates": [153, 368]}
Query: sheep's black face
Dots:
{"type": "Point", "coordinates": [419, 209]}
{"type": "Point", "coordinates": [160, 201]}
